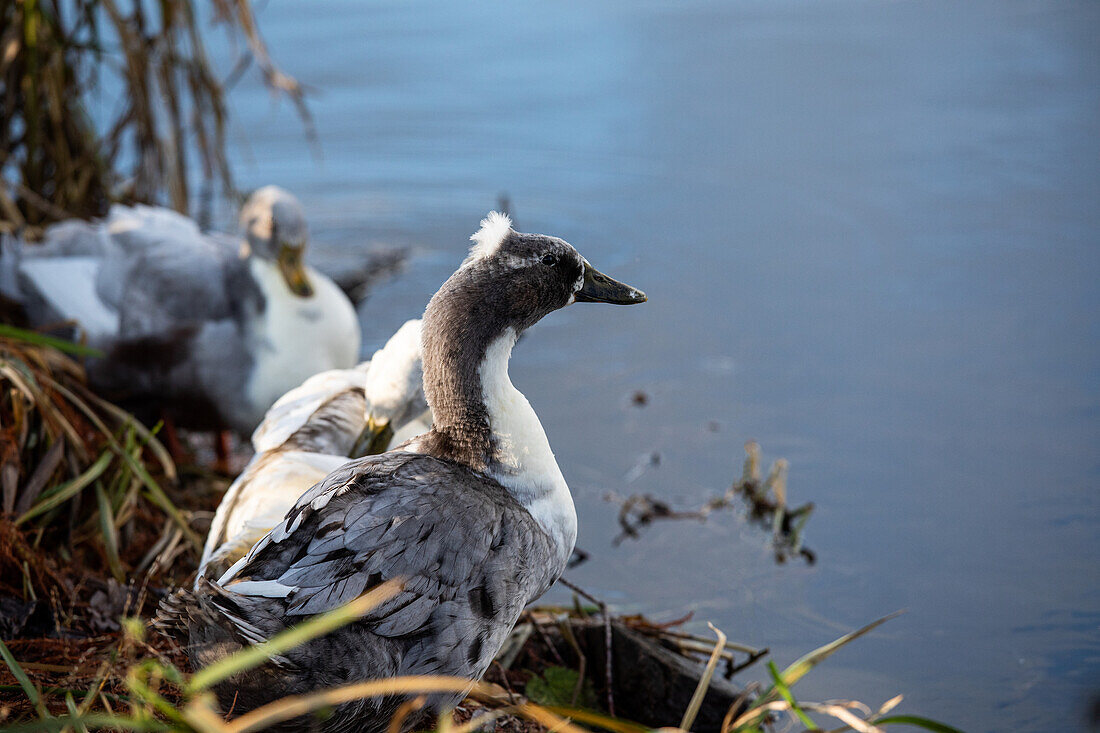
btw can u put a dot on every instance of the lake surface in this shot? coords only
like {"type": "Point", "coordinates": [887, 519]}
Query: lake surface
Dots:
{"type": "Point", "coordinates": [870, 235]}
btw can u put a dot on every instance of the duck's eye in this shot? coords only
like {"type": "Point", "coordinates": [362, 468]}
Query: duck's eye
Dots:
{"type": "Point", "coordinates": [550, 260]}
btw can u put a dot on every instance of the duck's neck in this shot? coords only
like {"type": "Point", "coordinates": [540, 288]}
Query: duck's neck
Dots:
{"type": "Point", "coordinates": [480, 419]}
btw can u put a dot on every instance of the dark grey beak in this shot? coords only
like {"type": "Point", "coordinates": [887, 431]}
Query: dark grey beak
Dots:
{"type": "Point", "coordinates": [599, 288]}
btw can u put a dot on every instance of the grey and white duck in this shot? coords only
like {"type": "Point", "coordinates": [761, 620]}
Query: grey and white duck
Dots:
{"type": "Point", "coordinates": [311, 431]}
{"type": "Point", "coordinates": [212, 327]}
{"type": "Point", "coordinates": [474, 517]}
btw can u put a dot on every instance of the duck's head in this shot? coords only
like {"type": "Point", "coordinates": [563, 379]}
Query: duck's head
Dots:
{"type": "Point", "coordinates": [508, 282]}
{"type": "Point", "coordinates": [515, 279]}
{"type": "Point", "coordinates": [275, 230]}
{"type": "Point", "coordinates": [394, 390]}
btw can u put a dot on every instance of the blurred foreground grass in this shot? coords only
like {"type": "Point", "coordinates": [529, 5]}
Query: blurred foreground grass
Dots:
{"type": "Point", "coordinates": [158, 696]}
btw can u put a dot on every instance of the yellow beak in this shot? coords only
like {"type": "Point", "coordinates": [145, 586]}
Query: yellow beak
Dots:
{"type": "Point", "coordinates": [294, 271]}
{"type": "Point", "coordinates": [374, 439]}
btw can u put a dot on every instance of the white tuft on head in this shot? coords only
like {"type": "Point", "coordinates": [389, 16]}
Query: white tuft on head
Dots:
{"type": "Point", "coordinates": [487, 240]}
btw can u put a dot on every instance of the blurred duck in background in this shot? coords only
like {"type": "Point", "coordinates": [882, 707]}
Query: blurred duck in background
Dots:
{"type": "Point", "coordinates": [203, 328]}
{"type": "Point", "coordinates": [313, 430]}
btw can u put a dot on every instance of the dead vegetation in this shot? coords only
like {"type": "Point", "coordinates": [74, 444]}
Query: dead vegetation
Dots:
{"type": "Point", "coordinates": [167, 122]}
{"type": "Point", "coordinates": [765, 501]}
{"type": "Point", "coordinates": [91, 499]}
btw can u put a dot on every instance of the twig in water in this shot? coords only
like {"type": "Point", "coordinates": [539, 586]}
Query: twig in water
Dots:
{"type": "Point", "coordinates": [766, 504]}
{"type": "Point", "coordinates": [755, 657]}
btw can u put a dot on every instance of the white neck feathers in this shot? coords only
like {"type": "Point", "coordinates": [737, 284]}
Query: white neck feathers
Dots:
{"type": "Point", "coordinates": [522, 461]}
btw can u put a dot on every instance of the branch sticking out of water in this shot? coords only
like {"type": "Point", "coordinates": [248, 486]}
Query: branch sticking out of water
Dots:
{"type": "Point", "coordinates": [765, 501]}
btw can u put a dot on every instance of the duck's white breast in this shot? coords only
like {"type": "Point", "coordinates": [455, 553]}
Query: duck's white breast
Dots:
{"type": "Point", "coordinates": [295, 338]}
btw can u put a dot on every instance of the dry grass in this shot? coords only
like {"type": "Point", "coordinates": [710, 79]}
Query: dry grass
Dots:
{"type": "Point", "coordinates": [170, 117]}
{"type": "Point", "coordinates": [90, 498]}
{"type": "Point", "coordinates": [128, 692]}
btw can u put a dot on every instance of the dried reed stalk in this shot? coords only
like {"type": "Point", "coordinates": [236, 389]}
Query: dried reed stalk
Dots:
{"type": "Point", "coordinates": [56, 162]}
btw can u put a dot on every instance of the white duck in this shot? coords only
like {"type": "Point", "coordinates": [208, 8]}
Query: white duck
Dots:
{"type": "Point", "coordinates": [311, 431]}
{"type": "Point", "coordinates": [209, 330]}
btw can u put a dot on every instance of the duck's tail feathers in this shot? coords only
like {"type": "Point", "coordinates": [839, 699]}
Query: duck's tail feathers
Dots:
{"type": "Point", "coordinates": [208, 616]}
{"type": "Point", "coordinates": [174, 614]}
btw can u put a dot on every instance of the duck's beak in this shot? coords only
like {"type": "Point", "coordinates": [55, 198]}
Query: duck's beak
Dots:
{"type": "Point", "coordinates": [374, 439]}
{"type": "Point", "coordinates": [294, 270]}
{"type": "Point", "coordinates": [599, 288]}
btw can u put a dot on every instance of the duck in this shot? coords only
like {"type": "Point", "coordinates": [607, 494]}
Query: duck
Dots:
{"type": "Point", "coordinates": [207, 328]}
{"type": "Point", "coordinates": [311, 431]}
{"type": "Point", "coordinates": [473, 519]}
{"type": "Point", "coordinates": [76, 275]}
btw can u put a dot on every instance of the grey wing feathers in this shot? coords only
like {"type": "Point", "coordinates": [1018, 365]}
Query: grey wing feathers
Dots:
{"type": "Point", "coordinates": [469, 555]}
{"type": "Point", "coordinates": [175, 283]}
{"type": "Point", "coordinates": [324, 414]}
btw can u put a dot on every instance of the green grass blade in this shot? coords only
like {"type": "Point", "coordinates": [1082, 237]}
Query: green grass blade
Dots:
{"type": "Point", "coordinates": [68, 490]}
{"type": "Point", "coordinates": [802, 667]}
{"type": "Point", "coordinates": [147, 435]}
{"type": "Point", "coordinates": [110, 533]}
{"type": "Point", "coordinates": [135, 465]}
{"type": "Point", "coordinates": [156, 495]}
{"type": "Point", "coordinates": [70, 705]}
{"type": "Point", "coordinates": [917, 722]}
{"type": "Point", "coordinates": [24, 681]}
{"type": "Point", "coordinates": [295, 636]}
{"type": "Point", "coordinates": [785, 693]}
{"type": "Point", "coordinates": [41, 339]}
{"type": "Point", "coordinates": [142, 690]}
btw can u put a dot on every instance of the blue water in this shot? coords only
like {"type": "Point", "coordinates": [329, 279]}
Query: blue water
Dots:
{"type": "Point", "coordinates": [869, 234]}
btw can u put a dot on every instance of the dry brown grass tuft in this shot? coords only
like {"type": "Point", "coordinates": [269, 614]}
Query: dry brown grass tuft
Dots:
{"type": "Point", "coordinates": [89, 498]}
{"type": "Point", "coordinates": [171, 116]}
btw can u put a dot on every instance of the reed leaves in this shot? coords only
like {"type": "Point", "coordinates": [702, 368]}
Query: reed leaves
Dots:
{"type": "Point", "coordinates": [77, 474]}
{"type": "Point", "coordinates": [168, 129]}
